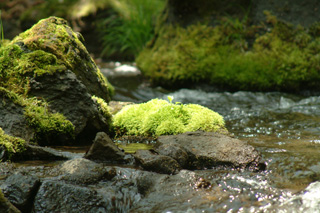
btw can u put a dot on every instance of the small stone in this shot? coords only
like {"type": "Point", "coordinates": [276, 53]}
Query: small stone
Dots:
{"type": "Point", "coordinates": [103, 149]}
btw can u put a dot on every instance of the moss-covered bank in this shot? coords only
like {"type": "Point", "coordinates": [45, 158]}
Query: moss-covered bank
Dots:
{"type": "Point", "coordinates": [159, 117]}
{"type": "Point", "coordinates": [234, 54]}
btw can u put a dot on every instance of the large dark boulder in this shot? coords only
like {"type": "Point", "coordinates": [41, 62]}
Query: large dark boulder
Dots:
{"type": "Point", "coordinates": [57, 196]}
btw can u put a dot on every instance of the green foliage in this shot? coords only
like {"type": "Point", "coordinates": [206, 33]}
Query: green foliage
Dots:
{"type": "Point", "coordinates": [159, 117]}
{"type": "Point", "coordinates": [132, 25]}
{"type": "Point", "coordinates": [12, 145]}
{"type": "Point", "coordinates": [284, 58]}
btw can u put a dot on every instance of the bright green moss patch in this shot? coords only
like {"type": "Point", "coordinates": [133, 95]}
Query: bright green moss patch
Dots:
{"type": "Point", "coordinates": [159, 117]}
{"type": "Point", "coordinates": [234, 55]}
{"type": "Point", "coordinates": [11, 145]}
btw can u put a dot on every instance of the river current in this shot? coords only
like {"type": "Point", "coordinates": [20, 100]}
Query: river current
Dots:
{"type": "Point", "coordinates": [283, 127]}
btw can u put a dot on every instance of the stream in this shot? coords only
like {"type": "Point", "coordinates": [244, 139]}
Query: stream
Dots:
{"type": "Point", "coordinates": [283, 127]}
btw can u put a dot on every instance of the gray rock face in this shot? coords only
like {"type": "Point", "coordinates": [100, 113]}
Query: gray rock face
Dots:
{"type": "Point", "coordinates": [12, 120]}
{"type": "Point", "coordinates": [20, 189]}
{"type": "Point", "coordinates": [103, 149]}
{"type": "Point", "coordinates": [56, 196]}
{"type": "Point", "coordinates": [208, 150]}
{"type": "Point", "coordinates": [157, 163]}
{"type": "Point", "coordinates": [42, 153]}
{"type": "Point", "coordinates": [83, 171]}
{"type": "Point", "coordinates": [68, 96]}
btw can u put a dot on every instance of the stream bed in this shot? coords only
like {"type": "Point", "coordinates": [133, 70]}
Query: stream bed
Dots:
{"type": "Point", "coordinates": [283, 127]}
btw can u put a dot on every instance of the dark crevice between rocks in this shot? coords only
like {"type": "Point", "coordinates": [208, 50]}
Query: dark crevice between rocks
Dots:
{"type": "Point", "coordinates": [29, 207]}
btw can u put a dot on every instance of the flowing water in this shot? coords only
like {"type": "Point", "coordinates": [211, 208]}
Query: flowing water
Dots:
{"type": "Point", "coordinates": [283, 127]}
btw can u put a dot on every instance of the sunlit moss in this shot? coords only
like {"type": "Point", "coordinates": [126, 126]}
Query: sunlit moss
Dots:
{"type": "Point", "coordinates": [273, 56]}
{"type": "Point", "coordinates": [51, 46]}
{"type": "Point", "coordinates": [11, 145]}
{"type": "Point", "coordinates": [159, 117]}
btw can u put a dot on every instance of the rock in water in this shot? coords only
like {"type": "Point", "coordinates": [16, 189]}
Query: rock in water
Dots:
{"type": "Point", "coordinates": [103, 149]}
{"type": "Point", "coordinates": [208, 150]}
{"type": "Point", "coordinates": [157, 163]}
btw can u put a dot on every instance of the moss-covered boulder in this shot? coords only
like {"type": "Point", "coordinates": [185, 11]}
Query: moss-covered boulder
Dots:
{"type": "Point", "coordinates": [49, 68]}
{"type": "Point", "coordinates": [26, 120]}
{"type": "Point", "coordinates": [216, 43]}
{"type": "Point", "coordinates": [160, 117]}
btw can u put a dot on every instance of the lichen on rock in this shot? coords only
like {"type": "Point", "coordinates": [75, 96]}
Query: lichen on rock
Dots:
{"type": "Point", "coordinates": [159, 117]}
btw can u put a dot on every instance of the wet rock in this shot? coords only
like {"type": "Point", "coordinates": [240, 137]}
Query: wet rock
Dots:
{"type": "Point", "coordinates": [33, 152]}
{"type": "Point", "coordinates": [175, 151]}
{"type": "Point", "coordinates": [155, 162]}
{"type": "Point", "coordinates": [208, 150]}
{"type": "Point", "coordinates": [57, 196]}
{"type": "Point", "coordinates": [103, 149]}
{"type": "Point", "coordinates": [20, 190]}
{"type": "Point", "coordinates": [83, 171]}
{"type": "Point", "coordinates": [6, 206]}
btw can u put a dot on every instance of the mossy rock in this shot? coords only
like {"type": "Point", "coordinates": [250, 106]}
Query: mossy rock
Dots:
{"type": "Point", "coordinates": [50, 69]}
{"type": "Point", "coordinates": [233, 54]}
{"type": "Point", "coordinates": [52, 42]}
{"type": "Point", "coordinates": [32, 121]}
{"type": "Point", "coordinates": [160, 117]}
{"type": "Point", "coordinates": [9, 145]}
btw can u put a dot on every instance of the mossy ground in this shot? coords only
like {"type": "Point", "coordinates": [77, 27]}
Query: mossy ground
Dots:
{"type": "Point", "coordinates": [159, 117]}
{"type": "Point", "coordinates": [274, 56]}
